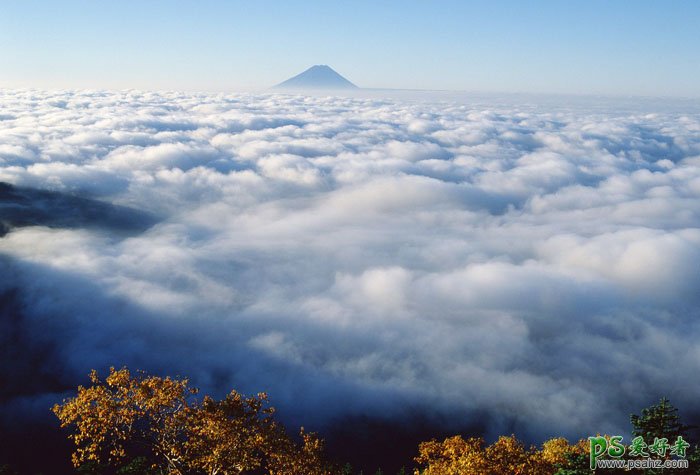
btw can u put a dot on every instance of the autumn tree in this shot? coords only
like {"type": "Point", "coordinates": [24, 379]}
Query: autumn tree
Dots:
{"type": "Point", "coordinates": [557, 456]}
{"type": "Point", "coordinates": [453, 456]}
{"type": "Point", "coordinates": [228, 436]}
{"type": "Point", "coordinates": [509, 455]}
{"type": "Point", "coordinates": [161, 421]}
{"type": "Point", "coordinates": [288, 458]}
{"type": "Point", "coordinates": [457, 456]}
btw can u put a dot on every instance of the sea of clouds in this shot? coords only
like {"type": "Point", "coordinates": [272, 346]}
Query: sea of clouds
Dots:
{"type": "Point", "coordinates": [528, 266]}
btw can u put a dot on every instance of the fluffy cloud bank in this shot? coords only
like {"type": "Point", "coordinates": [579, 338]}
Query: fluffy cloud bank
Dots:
{"type": "Point", "coordinates": [530, 268]}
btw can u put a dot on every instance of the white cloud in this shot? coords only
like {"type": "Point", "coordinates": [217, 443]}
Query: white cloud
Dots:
{"type": "Point", "coordinates": [503, 262]}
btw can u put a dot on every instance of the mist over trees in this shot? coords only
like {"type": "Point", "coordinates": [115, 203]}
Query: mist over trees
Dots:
{"type": "Point", "coordinates": [135, 423]}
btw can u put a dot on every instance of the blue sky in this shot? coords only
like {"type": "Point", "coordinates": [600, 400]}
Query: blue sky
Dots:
{"type": "Point", "coordinates": [594, 46]}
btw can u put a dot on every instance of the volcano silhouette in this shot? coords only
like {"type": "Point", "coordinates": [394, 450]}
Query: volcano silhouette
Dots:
{"type": "Point", "coordinates": [317, 77]}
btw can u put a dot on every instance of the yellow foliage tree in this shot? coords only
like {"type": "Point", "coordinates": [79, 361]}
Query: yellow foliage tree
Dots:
{"type": "Point", "coordinates": [509, 455]}
{"type": "Point", "coordinates": [453, 456]}
{"type": "Point", "coordinates": [457, 456]}
{"type": "Point", "coordinates": [555, 451]}
{"type": "Point", "coordinates": [558, 451]}
{"type": "Point", "coordinates": [180, 434]}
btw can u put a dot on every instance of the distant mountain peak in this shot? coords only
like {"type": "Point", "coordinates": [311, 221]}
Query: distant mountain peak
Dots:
{"type": "Point", "coordinates": [320, 76]}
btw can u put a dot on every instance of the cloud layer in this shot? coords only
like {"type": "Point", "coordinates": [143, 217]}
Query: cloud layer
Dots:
{"type": "Point", "coordinates": [533, 267]}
